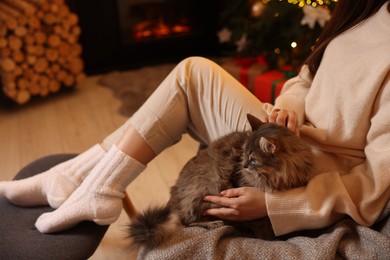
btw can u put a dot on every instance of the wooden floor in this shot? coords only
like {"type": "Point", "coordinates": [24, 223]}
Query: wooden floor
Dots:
{"type": "Point", "coordinates": [72, 122]}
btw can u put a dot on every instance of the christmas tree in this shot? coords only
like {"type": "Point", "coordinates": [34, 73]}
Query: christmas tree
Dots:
{"type": "Point", "coordinates": [284, 31]}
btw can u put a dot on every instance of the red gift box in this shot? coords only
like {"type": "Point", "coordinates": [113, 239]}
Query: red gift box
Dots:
{"type": "Point", "coordinates": [246, 69]}
{"type": "Point", "coordinates": [268, 86]}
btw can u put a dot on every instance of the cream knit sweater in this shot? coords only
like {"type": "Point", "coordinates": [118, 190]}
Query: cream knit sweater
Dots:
{"type": "Point", "coordinates": [344, 113]}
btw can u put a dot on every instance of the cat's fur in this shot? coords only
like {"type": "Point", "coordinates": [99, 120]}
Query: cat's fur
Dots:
{"type": "Point", "coordinates": [269, 157]}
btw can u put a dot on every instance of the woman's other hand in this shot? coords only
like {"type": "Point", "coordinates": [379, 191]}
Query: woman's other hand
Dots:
{"type": "Point", "coordinates": [284, 118]}
{"type": "Point", "coordinates": [238, 204]}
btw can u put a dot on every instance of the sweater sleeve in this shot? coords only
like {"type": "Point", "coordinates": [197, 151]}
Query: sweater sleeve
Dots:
{"type": "Point", "coordinates": [360, 193]}
{"type": "Point", "coordinates": [293, 94]}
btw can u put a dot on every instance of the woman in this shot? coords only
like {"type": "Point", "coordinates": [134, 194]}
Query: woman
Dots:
{"type": "Point", "coordinates": [340, 103]}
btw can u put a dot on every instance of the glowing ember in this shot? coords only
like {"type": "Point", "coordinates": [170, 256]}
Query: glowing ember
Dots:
{"type": "Point", "coordinates": [158, 29]}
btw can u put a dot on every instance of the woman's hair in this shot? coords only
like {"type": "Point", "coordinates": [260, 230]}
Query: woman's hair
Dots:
{"type": "Point", "coordinates": [347, 13]}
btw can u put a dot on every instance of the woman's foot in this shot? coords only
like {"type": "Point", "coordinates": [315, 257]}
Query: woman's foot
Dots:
{"type": "Point", "coordinates": [99, 197]}
{"type": "Point", "coordinates": [55, 185]}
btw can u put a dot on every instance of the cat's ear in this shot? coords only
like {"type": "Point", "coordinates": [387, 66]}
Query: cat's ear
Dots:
{"type": "Point", "coordinates": [267, 146]}
{"type": "Point", "coordinates": [254, 122]}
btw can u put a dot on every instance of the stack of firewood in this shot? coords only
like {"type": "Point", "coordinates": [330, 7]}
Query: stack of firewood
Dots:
{"type": "Point", "coordinates": [39, 49]}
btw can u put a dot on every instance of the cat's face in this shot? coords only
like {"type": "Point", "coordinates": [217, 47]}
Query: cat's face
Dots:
{"type": "Point", "coordinates": [261, 162]}
{"type": "Point", "coordinates": [274, 158]}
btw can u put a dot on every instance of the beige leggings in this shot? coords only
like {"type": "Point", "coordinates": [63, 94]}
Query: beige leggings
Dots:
{"type": "Point", "coordinates": [198, 97]}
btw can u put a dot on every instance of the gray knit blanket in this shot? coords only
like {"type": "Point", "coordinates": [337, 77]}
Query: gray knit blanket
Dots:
{"type": "Point", "coordinates": [343, 240]}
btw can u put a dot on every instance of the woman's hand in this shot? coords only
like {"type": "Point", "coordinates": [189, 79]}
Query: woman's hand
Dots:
{"type": "Point", "coordinates": [284, 118]}
{"type": "Point", "coordinates": [239, 204]}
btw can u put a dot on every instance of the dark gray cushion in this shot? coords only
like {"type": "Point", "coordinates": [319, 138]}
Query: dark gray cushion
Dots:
{"type": "Point", "coordinates": [19, 238]}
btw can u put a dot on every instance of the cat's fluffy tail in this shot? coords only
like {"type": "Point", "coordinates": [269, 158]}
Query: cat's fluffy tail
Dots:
{"type": "Point", "coordinates": [151, 227]}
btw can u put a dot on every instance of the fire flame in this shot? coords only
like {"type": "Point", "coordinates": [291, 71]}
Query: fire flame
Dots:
{"type": "Point", "coordinates": [158, 29]}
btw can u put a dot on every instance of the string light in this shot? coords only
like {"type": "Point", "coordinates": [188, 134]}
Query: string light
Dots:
{"type": "Point", "coordinates": [302, 3]}
{"type": "Point", "coordinates": [294, 45]}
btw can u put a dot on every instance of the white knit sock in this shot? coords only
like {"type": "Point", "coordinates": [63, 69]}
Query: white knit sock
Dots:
{"type": "Point", "coordinates": [99, 197]}
{"type": "Point", "coordinates": [55, 185]}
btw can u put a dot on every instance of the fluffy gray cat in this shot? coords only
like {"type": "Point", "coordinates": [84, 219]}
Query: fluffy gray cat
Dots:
{"type": "Point", "coordinates": [269, 157]}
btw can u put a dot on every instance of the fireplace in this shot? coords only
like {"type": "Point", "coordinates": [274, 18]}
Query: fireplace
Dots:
{"type": "Point", "coordinates": [143, 21]}
{"type": "Point", "coordinates": [124, 34]}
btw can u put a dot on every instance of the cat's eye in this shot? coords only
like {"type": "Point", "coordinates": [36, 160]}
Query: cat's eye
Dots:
{"type": "Point", "coordinates": [254, 161]}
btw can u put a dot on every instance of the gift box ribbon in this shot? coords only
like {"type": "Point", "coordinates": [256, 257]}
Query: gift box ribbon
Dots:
{"type": "Point", "coordinates": [288, 71]}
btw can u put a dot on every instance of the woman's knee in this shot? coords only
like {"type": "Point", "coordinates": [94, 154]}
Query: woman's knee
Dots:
{"type": "Point", "coordinates": [197, 66]}
{"type": "Point", "coordinates": [197, 73]}
{"type": "Point", "coordinates": [196, 62]}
